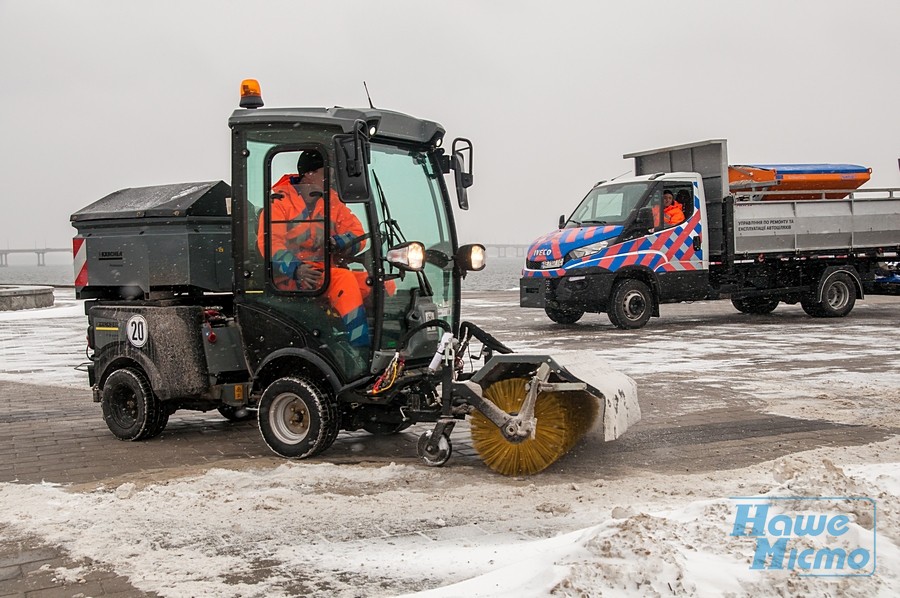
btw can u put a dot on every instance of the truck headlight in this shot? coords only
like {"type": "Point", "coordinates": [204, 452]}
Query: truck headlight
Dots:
{"type": "Point", "coordinates": [470, 257]}
{"type": "Point", "coordinates": [407, 256]}
{"type": "Point", "coordinates": [588, 250]}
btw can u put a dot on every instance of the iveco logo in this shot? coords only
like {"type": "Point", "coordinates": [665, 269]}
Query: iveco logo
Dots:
{"type": "Point", "coordinates": [538, 252]}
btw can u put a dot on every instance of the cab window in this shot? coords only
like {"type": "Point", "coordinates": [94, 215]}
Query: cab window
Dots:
{"type": "Point", "coordinates": [297, 220]}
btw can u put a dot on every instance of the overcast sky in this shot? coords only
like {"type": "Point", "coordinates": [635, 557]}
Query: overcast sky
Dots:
{"type": "Point", "coordinates": [102, 95]}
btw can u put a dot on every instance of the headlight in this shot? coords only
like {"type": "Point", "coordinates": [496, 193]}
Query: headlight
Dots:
{"type": "Point", "coordinates": [588, 250]}
{"type": "Point", "coordinates": [408, 256]}
{"type": "Point", "coordinates": [470, 257]}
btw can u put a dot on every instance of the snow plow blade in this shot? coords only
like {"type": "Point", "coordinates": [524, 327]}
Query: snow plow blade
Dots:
{"type": "Point", "coordinates": [532, 409]}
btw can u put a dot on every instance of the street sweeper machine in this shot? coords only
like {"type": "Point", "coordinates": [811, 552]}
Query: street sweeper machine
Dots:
{"type": "Point", "coordinates": [321, 290]}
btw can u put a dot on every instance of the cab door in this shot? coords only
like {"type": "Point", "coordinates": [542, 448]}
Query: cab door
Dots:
{"type": "Point", "coordinates": [677, 242]}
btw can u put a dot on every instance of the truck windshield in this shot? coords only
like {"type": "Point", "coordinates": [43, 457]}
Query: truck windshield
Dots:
{"type": "Point", "coordinates": [608, 204]}
{"type": "Point", "coordinates": [407, 192]}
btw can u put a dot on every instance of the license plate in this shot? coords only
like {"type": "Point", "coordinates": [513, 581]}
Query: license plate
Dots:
{"type": "Point", "coordinates": [551, 264]}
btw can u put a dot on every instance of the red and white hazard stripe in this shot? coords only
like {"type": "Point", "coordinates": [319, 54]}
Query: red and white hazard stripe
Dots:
{"type": "Point", "coordinates": [79, 251]}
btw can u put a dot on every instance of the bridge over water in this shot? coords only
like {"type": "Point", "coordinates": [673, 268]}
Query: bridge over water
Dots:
{"type": "Point", "coordinates": [41, 254]}
{"type": "Point", "coordinates": [505, 250]}
{"type": "Point", "coordinates": [493, 250]}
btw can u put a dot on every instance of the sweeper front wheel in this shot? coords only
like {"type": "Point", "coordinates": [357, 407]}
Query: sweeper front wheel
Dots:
{"type": "Point", "coordinates": [436, 456]}
{"type": "Point", "coordinates": [563, 418]}
{"type": "Point", "coordinates": [296, 418]}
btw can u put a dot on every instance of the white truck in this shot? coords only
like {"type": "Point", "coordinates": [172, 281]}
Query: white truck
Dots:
{"type": "Point", "coordinates": [750, 241]}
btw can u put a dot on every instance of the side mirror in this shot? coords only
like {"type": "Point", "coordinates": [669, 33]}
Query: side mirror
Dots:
{"type": "Point", "coordinates": [352, 153]}
{"type": "Point", "coordinates": [461, 163]}
{"type": "Point", "coordinates": [644, 218]}
{"type": "Point", "coordinates": [562, 221]}
{"type": "Point", "coordinates": [469, 258]}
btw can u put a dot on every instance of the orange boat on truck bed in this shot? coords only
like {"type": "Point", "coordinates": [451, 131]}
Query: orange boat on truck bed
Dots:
{"type": "Point", "coordinates": [794, 178]}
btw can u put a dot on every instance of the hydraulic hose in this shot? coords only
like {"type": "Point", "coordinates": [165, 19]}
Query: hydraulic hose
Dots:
{"type": "Point", "coordinates": [412, 331]}
{"type": "Point", "coordinates": [468, 328]}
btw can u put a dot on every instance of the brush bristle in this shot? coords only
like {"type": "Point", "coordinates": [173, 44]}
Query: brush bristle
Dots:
{"type": "Point", "coordinates": [563, 418]}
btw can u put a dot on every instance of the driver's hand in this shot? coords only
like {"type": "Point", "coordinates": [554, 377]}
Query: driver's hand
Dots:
{"type": "Point", "coordinates": [308, 276]}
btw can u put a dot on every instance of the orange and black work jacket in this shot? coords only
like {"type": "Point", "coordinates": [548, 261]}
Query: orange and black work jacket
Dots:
{"type": "Point", "coordinates": [671, 216]}
{"type": "Point", "coordinates": [298, 229]}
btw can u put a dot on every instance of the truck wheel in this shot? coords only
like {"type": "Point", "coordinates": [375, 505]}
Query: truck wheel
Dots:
{"type": "Point", "coordinates": [838, 296]}
{"type": "Point", "coordinates": [755, 305]}
{"type": "Point", "coordinates": [296, 419]}
{"type": "Point", "coordinates": [630, 304]}
{"type": "Point", "coordinates": [562, 315]}
{"type": "Point", "coordinates": [129, 406]}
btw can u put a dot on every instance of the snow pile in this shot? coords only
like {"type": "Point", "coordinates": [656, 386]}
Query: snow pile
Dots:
{"type": "Point", "coordinates": [338, 530]}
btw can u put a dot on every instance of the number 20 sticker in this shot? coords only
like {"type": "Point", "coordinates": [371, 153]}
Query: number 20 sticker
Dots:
{"type": "Point", "coordinates": [137, 331]}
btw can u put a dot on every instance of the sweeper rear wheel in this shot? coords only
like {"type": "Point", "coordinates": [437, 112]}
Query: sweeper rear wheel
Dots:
{"type": "Point", "coordinates": [563, 418]}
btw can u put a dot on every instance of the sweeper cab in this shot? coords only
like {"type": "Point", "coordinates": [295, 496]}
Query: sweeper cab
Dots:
{"type": "Point", "coordinates": [321, 289]}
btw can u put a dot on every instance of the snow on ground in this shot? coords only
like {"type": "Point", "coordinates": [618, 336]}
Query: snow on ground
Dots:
{"type": "Point", "coordinates": [350, 530]}
{"type": "Point", "coordinates": [330, 530]}
{"type": "Point", "coordinates": [44, 346]}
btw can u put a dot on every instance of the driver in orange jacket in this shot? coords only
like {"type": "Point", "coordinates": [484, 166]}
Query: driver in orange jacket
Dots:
{"type": "Point", "coordinates": [672, 212]}
{"type": "Point", "coordinates": [298, 240]}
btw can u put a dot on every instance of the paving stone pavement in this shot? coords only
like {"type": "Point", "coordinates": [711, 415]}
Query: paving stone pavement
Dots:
{"type": "Point", "coordinates": [57, 435]}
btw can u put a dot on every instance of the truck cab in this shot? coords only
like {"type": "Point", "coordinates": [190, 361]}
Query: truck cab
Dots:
{"type": "Point", "coordinates": [619, 253]}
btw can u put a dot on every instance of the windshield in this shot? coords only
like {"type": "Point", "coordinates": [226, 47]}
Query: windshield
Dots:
{"type": "Point", "coordinates": [407, 193]}
{"type": "Point", "coordinates": [608, 204]}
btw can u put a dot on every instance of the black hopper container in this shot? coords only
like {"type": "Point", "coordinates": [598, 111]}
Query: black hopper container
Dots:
{"type": "Point", "coordinates": [154, 242]}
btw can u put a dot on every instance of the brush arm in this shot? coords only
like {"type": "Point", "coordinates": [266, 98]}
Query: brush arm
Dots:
{"type": "Point", "coordinates": [521, 426]}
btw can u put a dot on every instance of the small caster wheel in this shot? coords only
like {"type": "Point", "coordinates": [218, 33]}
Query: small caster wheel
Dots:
{"type": "Point", "coordinates": [437, 456]}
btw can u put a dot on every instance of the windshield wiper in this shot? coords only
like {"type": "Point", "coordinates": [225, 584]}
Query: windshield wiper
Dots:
{"type": "Point", "coordinates": [392, 232]}
{"type": "Point", "coordinates": [593, 222]}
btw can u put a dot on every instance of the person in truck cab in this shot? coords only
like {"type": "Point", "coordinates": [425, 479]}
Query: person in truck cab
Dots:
{"type": "Point", "coordinates": [298, 240]}
{"type": "Point", "coordinates": [672, 212]}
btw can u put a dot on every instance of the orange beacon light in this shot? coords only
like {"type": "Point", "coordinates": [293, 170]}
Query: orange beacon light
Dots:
{"type": "Point", "coordinates": [251, 96]}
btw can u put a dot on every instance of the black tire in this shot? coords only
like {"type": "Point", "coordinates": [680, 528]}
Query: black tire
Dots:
{"type": "Point", "coordinates": [234, 414]}
{"type": "Point", "coordinates": [296, 419]}
{"type": "Point", "coordinates": [838, 296]}
{"type": "Point", "coordinates": [755, 305]}
{"type": "Point", "coordinates": [811, 306]}
{"type": "Point", "coordinates": [630, 304]}
{"type": "Point", "coordinates": [334, 428]}
{"type": "Point", "coordinates": [162, 418]}
{"type": "Point", "coordinates": [562, 315]}
{"type": "Point", "coordinates": [440, 455]}
{"type": "Point", "coordinates": [129, 406]}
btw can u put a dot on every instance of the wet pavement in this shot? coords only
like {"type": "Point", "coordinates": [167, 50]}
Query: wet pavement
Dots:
{"type": "Point", "coordinates": [707, 407]}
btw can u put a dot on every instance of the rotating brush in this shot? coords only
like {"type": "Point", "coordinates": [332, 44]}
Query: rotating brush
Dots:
{"type": "Point", "coordinates": [563, 418]}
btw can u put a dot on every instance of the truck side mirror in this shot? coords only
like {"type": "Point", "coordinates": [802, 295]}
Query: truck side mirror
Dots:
{"type": "Point", "coordinates": [461, 163]}
{"type": "Point", "coordinates": [644, 218]}
{"type": "Point", "coordinates": [562, 221]}
{"type": "Point", "coordinates": [352, 152]}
